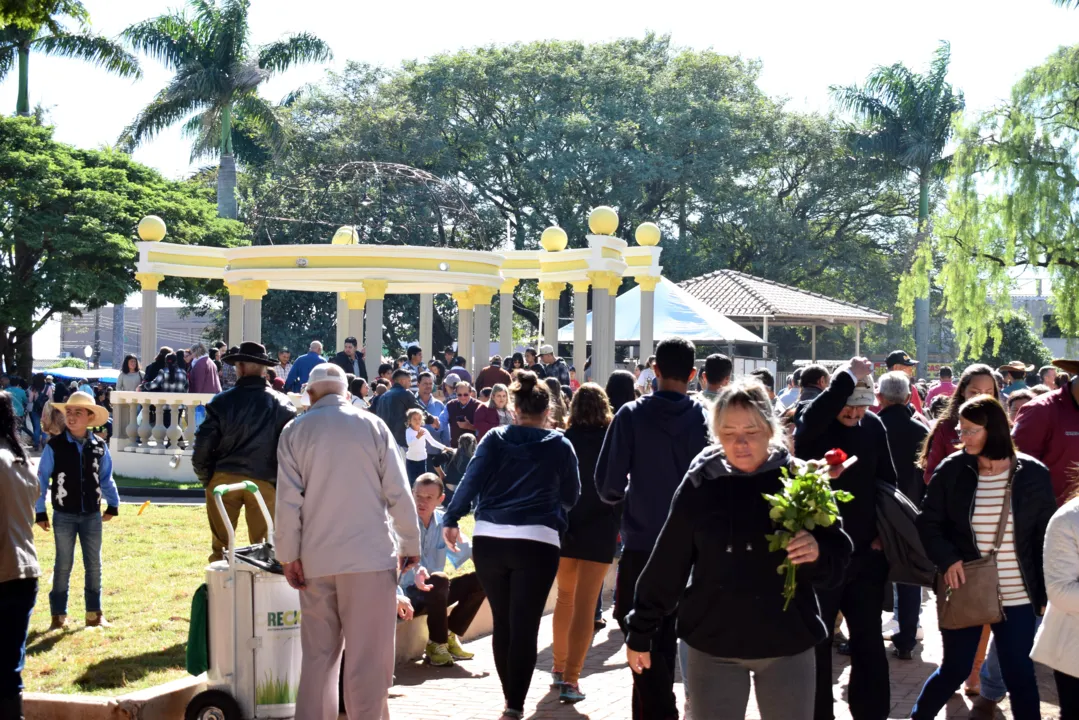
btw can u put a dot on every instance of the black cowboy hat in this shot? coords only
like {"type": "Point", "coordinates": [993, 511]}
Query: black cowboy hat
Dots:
{"type": "Point", "coordinates": [250, 352]}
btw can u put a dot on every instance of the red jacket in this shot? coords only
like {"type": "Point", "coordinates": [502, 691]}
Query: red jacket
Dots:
{"type": "Point", "coordinates": [1047, 428]}
{"type": "Point", "coordinates": [942, 442]}
{"type": "Point", "coordinates": [486, 419]}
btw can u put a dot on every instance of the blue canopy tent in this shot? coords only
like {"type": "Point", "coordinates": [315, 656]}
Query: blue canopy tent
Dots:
{"type": "Point", "coordinates": [105, 375]}
{"type": "Point", "coordinates": [677, 313]}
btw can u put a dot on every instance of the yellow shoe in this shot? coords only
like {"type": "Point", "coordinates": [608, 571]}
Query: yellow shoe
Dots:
{"type": "Point", "coordinates": [458, 652]}
{"type": "Point", "coordinates": [438, 655]}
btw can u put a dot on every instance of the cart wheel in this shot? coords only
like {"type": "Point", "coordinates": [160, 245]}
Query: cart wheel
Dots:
{"type": "Point", "coordinates": [212, 705]}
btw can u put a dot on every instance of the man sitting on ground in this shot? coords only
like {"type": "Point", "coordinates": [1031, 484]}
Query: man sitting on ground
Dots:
{"type": "Point", "coordinates": [428, 589]}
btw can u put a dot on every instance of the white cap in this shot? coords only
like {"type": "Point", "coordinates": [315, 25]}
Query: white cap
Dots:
{"type": "Point", "coordinates": [546, 350]}
{"type": "Point", "coordinates": [864, 395]}
{"type": "Point", "coordinates": [327, 377]}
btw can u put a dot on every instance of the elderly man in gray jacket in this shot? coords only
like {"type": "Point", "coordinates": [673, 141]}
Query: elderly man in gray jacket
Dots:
{"type": "Point", "coordinates": [346, 525]}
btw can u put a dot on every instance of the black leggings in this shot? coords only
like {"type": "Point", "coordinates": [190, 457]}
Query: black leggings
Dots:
{"type": "Point", "coordinates": [517, 576]}
{"type": "Point", "coordinates": [1068, 690]}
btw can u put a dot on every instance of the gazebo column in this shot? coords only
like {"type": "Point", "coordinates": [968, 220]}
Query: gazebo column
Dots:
{"type": "Point", "coordinates": [505, 317]}
{"type": "Point", "coordinates": [580, 327]}
{"type": "Point", "coordinates": [764, 349]}
{"type": "Point", "coordinates": [427, 310]}
{"type": "Point", "coordinates": [465, 304]}
{"type": "Point", "coordinates": [551, 293]}
{"type": "Point", "coordinates": [648, 314]}
{"type": "Point", "coordinates": [612, 362]}
{"type": "Point", "coordinates": [253, 292]}
{"type": "Point", "coordinates": [375, 290]}
{"type": "Point", "coordinates": [236, 314]}
{"type": "Point", "coordinates": [813, 336]}
{"type": "Point", "coordinates": [342, 319]}
{"type": "Point", "coordinates": [149, 283]}
{"type": "Point", "coordinates": [602, 349]}
{"type": "Point", "coordinates": [355, 302]}
{"type": "Point", "coordinates": [857, 339]}
{"type": "Point", "coordinates": [481, 319]}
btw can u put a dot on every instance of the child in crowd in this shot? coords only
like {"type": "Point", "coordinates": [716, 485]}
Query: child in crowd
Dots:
{"type": "Point", "coordinates": [77, 468]}
{"type": "Point", "coordinates": [418, 439]}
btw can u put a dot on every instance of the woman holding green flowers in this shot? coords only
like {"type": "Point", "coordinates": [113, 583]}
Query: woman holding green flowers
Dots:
{"type": "Point", "coordinates": [732, 614]}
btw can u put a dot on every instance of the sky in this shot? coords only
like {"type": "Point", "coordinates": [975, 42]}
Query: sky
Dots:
{"type": "Point", "coordinates": [804, 47]}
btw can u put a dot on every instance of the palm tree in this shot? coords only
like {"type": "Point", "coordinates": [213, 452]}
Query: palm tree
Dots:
{"type": "Point", "coordinates": [48, 36]}
{"type": "Point", "coordinates": [906, 122]}
{"type": "Point", "coordinates": [216, 82]}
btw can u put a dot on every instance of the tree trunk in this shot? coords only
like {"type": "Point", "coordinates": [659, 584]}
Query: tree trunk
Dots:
{"type": "Point", "coordinates": [226, 187]}
{"type": "Point", "coordinates": [22, 106]}
{"type": "Point", "coordinates": [24, 353]}
{"type": "Point", "coordinates": [921, 304]}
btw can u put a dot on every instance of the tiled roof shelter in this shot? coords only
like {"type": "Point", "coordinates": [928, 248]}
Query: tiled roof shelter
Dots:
{"type": "Point", "coordinates": [755, 301]}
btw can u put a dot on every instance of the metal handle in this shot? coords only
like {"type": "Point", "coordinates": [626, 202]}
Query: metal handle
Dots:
{"type": "Point", "coordinates": [249, 486]}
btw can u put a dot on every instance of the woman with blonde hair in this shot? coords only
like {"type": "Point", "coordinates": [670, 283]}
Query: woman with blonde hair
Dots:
{"type": "Point", "coordinates": [712, 563]}
{"type": "Point", "coordinates": [588, 545]}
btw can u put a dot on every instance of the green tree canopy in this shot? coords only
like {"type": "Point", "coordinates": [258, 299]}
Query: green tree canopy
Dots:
{"type": "Point", "coordinates": [539, 133]}
{"type": "Point", "coordinates": [67, 229]}
{"type": "Point", "coordinates": [1012, 204]}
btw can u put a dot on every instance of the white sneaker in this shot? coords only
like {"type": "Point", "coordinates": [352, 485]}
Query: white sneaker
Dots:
{"type": "Point", "coordinates": [889, 628]}
{"type": "Point", "coordinates": [920, 635]}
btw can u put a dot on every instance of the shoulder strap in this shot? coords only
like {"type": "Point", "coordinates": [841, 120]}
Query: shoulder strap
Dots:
{"type": "Point", "coordinates": [1005, 508]}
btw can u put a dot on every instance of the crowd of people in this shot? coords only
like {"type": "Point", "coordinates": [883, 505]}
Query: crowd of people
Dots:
{"type": "Point", "coordinates": [664, 468]}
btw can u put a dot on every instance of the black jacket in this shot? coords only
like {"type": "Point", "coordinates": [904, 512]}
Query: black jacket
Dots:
{"type": "Point", "coordinates": [240, 432]}
{"type": "Point", "coordinates": [593, 524]}
{"type": "Point", "coordinates": [714, 538]}
{"type": "Point", "coordinates": [558, 369]}
{"type": "Point", "coordinates": [817, 431]}
{"type": "Point", "coordinates": [393, 406]}
{"type": "Point", "coordinates": [341, 360]}
{"type": "Point", "coordinates": [646, 453]}
{"type": "Point", "coordinates": [945, 527]}
{"type": "Point", "coordinates": [905, 439]}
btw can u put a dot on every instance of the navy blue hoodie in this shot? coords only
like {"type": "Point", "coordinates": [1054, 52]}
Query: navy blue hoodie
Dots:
{"type": "Point", "coordinates": [519, 476]}
{"type": "Point", "coordinates": [645, 455]}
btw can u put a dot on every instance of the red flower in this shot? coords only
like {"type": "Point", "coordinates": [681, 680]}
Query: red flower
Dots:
{"type": "Point", "coordinates": [835, 457]}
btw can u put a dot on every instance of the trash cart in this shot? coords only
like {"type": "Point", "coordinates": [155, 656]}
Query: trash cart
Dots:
{"type": "Point", "coordinates": [254, 624]}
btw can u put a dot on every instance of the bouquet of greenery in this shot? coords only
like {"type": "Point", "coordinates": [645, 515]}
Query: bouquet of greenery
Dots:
{"type": "Point", "coordinates": [806, 502]}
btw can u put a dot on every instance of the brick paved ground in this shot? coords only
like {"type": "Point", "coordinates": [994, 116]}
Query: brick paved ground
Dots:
{"type": "Point", "coordinates": [471, 690]}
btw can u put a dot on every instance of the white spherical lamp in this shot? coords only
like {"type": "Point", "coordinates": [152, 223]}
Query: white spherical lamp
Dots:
{"type": "Point", "coordinates": [554, 239]}
{"type": "Point", "coordinates": [648, 234]}
{"type": "Point", "coordinates": [603, 220]}
{"type": "Point", "coordinates": [346, 235]}
{"type": "Point", "coordinates": [152, 229]}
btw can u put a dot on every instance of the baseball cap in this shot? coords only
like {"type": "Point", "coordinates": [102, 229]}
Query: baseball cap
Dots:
{"type": "Point", "coordinates": [864, 394]}
{"type": "Point", "coordinates": [546, 350]}
{"type": "Point", "coordinates": [899, 357]}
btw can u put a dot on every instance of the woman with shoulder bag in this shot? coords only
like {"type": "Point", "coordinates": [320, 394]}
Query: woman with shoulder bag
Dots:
{"type": "Point", "coordinates": [987, 500]}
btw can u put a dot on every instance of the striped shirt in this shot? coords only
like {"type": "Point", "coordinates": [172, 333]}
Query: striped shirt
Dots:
{"type": "Point", "coordinates": [988, 505]}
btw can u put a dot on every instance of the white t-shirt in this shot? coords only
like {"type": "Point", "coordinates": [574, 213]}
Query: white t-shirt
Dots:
{"type": "Point", "coordinates": [645, 379]}
{"type": "Point", "coordinates": [988, 505]}
{"type": "Point", "coordinates": [537, 533]}
{"type": "Point", "coordinates": [417, 446]}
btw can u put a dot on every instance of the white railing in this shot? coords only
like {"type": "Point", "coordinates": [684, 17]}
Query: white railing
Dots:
{"type": "Point", "coordinates": [133, 433]}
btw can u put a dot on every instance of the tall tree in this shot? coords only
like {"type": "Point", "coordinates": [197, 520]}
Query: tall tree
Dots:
{"type": "Point", "coordinates": [216, 81]}
{"type": "Point", "coordinates": [1012, 205]}
{"type": "Point", "coordinates": [67, 228]}
{"type": "Point", "coordinates": [40, 29]}
{"type": "Point", "coordinates": [906, 123]}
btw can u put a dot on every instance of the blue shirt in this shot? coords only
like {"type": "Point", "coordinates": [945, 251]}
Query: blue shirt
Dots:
{"type": "Point", "coordinates": [18, 400]}
{"type": "Point", "coordinates": [108, 486]}
{"type": "Point", "coordinates": [433, 552]}
{"type": "Point", "coordinates": [86, 389]}
{"type": "Point", "coordinates": [437, 409]}
{"type": "Point", "coordinates": [301, 370]}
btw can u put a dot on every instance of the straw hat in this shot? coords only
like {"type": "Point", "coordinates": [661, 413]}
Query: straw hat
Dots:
{"type": "Point", "coordinates": [99, 415]}
{"type": "Point", "coordinates": [1016, 366]}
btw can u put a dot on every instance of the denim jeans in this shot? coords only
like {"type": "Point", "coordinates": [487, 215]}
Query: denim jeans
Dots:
{"type": "Point", "coordinates": [86, 527]}
{"type": "Point", "coordinates": [17, 599]}
{"type": "Point", "coordinates": [1015, 636]}
{"type": "Point", "coordinates": [39, 437]}
{"type": "Point", "coordinates": [908, 608]}
{"type": "Point", "coordinates": [990, 677]}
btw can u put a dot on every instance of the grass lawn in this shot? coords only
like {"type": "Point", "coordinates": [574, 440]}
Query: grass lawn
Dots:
{"type": "Point", "coordinates": [123, 481]}
{"type": "Point", "coordinates": [151, 566]}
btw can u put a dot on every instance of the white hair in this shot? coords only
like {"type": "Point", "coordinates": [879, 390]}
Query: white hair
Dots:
{"type": "Point", "coordinates": [198, 349]}
{"type": "Point", "coordinates": [894, 388]}
{"type": "Point", "coordinates": [315, 346]}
